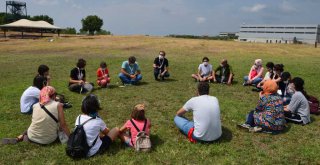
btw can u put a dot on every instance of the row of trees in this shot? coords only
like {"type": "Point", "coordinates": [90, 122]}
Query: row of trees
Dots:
{"type": "Point", "coordinates": [90, 25]}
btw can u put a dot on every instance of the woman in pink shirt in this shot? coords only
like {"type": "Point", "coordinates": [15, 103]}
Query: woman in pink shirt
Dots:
{"type": "Point", "coordinates": [128, 132]}
{"type": "Point", "coordinates": [255, 74]}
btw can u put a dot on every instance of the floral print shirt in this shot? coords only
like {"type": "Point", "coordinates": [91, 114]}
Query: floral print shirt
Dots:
{"type": "Point", "coordinates": [269, 113]}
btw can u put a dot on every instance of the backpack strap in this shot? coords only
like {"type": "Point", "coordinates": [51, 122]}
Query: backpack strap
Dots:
{"type": "Point", "coordinates": [50, 114]}
{"type": "Point", "coordinates": [145, 125]}
{"type": "Point", "coordinates": [135, 126]}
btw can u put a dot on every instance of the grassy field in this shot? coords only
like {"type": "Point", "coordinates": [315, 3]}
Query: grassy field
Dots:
{"type": "Point", "coordinates": [19, 60]}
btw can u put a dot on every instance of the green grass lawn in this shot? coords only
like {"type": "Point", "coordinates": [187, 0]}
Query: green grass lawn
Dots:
{"type": "Point", "coordinates": [19, 60]}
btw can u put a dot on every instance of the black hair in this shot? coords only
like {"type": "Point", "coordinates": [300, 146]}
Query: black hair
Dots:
{"type": "Point", "coordinates": [203, 88]}
{"type": "Point", "coordinates": [81, 63]}
{"type": "Point", "coordinates": [285, 76]}
{"type": "Point", "coordinates": [298, 85]}
{"type": "Point", "coordinates": [279, 67]}
{"type": "Point", "coordinates": [42, 69]}
{"type": "Point", "coordinates": [90, 104]}
{"type": "Point", "coordinates": [205, 58]}
{"type": "Point", "coordinates": [39, 81]}
{"type": "Point", "coordinates": [270, 65]}
{"type": "Point", "coordinates": [103, 64]}
{"type": "Point", "coordinates": [132, 59]}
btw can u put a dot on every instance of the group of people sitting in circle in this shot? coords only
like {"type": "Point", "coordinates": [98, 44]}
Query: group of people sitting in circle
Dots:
{"type": "Point", "coordinates": [275, 106]}
{"type": "Point", "coordinates": [281, 99]}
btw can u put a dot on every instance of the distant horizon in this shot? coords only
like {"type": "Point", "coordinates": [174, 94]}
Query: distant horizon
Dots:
{"type": "Point", "coordinates": [178, 17]}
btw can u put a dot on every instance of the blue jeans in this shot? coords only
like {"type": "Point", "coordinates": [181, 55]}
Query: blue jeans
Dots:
{"type": "Point", "coordinates": [250, 119]}
{"type": "Point", "coordinates": [183, 124]}
{"type": "Point", "coordinates": [128, 80]}
{"type": "Point", "coordinates": [255, 81]}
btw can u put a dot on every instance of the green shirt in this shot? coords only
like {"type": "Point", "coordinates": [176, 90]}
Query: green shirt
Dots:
{"type": "Point", "coordinates": [224, 72]}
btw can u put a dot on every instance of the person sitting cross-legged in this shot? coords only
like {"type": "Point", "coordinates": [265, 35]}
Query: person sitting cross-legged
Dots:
{"type": "Point", "coordinates": [225, 73]}
{"type": "Point", "coordinates": [206, 124]}
{"type": "Point", "coordinates": [298, 110]}
{"type": "Point", "coordinates": [204, 71]}
{"type": "Point", "coordinates": [268, 116]}
{"type": "Point", "coordinates": [130, 72]}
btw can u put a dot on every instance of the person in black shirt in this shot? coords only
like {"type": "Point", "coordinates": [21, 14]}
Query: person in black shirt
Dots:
{"type": "Point", "coordinates": [160, 66]}
{"type": "Point", "coordinates": [77, 82]}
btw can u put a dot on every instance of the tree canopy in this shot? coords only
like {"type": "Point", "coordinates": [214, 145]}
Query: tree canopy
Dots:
{"type": "Point", "coordinates": [91, 23]}
{"type": "Point", "coordinates": [42, 18]}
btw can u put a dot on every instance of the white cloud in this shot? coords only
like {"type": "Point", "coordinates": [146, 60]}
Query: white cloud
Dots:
{"type": "Point", "coordinates": [255, 8]}
{"type": "Point", "coordinates": [287, 7]}
{"type": "Point", "coordinates": [201, 20]}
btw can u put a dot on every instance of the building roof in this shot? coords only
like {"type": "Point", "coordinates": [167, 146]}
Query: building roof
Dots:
{"type": "Point", "coordinates": [24, 23]}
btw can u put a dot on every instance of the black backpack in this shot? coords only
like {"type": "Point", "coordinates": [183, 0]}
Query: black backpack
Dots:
{"type": "Point", "coordinates": [77, 146]}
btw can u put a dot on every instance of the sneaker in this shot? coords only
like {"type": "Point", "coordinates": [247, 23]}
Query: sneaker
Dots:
{"type": "Point", "coordinates": [244, 126]}
{"type": "Point", "coordinates": [245, 84]}
{"type": "Point", "coordinates": [255, 129]}
{"type": "Point", "coordinates": [67, 105]}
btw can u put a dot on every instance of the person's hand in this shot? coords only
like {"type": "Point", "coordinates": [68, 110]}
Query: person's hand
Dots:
{"type": "Point", "coordinates": [162, 74]}
{"type": "Point", "coordinates": [249, 81]}
{"type": "Point", "coordinates": [229, 82]}
{"type": "Point", "coordinates": [81, 82]}
{"type": "Point", "coordinates": [214, 80]}
{"type": "Point", "coordinates": [132, 76]}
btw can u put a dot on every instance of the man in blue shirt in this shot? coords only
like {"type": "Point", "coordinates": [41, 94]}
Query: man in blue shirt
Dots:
{"type": "Point", "coordinates": [130, 71]}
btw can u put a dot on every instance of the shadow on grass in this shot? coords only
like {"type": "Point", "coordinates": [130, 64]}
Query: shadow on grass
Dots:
{"type": "Point", "coordinates": [155, 141]}
{"type": "Point", "coordinates": [226, 135]}
{"type": "Point", "coordinates": [142, 83]}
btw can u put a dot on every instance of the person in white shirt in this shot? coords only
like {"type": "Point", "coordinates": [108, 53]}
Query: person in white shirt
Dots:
{"type": "Point", "coordinates": [204, 71]}
{"type": "Point", "coordinates": [206, 124]}
{"type": "Point", "coordinates": [99, 136]}
{"type": "Point", "coordinates": [31, 95]}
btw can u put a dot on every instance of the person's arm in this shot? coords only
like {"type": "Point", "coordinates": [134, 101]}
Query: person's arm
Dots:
{"type": "Point", "coordinates": [294, 104]}
{"type": "Point", "coordinates": [123, 71]}
{"type": "Point", "coordinates": [123, 128]}
{"type": "Point", "coordinates": [72, 81]}
{"type": "Point", "coordinates": [199, 74]}
{"type": "Point", "coordinates": [230, 78]}
{"type": "Point", "coordinates": [105, 131]}
{"type": "Point", "coordinates": [181, 112]}
{"type": "Point", "coordinates": [250, 74]}
{"type": "Point", "coordinates": [63, 124]}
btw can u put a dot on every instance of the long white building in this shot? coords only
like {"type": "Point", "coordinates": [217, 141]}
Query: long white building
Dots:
{"type": "Point", "coordinates": [280, 33]}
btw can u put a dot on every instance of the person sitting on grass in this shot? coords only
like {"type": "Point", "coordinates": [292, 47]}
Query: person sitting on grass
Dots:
{"type": "Point", "coordinates": [298, 110]}
{"type": "Point", "coordinates": [160, 66]}
{"type": "Point", "coordinates": [128, 132]}
{"type": "Point", "coordinates": [268, 115]}
{"type": "Point", "coordinates": [43, 70]}
{"type": "Point", "coordinates": [278, 70]}
{"type": "Point", "coordinates": [77, 82]}
{"type": "Point", "coordinates": [225, 73]}
{"type": "Point", "coordinates": [204, 71]}
{"type": "Point", "coordinates": [268, 76]}
{"type": "Point", "coordinates": [289, 88]}
{"type": "Point", "coordinates": [103, 77]}
{"type": "Point", "coordinates": [255, 74]}
{"type": "Point", "coordinates": [206, 124]}
{"type": "Point", "coordinates": [130, 72]}
{"type": "Point", "coordinates": [47, 119]}
{"type": "Point", "coordinates": [99, 136]}
{"type": "Point", "coordinates": [31, 95]}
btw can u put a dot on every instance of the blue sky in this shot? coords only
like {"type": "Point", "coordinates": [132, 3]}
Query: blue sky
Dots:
{"type": "Point", "coordinates": [163, 17]}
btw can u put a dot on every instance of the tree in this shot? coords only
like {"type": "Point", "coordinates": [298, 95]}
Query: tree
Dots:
{"type": "Point", "coordinates": [103, 32]}
{"type": "Point", "coordinates": [42, 18]}
{"type": "Point", "coordinates": [2, 18]}
{"type": "Point", "coordinates": [92, 23]}
{"type": "Point", "coordinates": [69, 30]}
